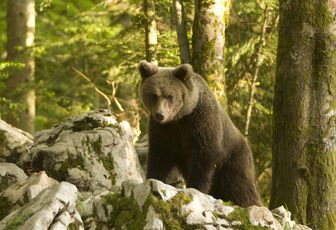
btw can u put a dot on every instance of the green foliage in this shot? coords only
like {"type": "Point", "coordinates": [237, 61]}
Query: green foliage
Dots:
{"type": "Point", "coordinates": [104, 40]}
{"type": "Point", "coordinates": [3, 38]}
{"type": "Point", "coordinates": [90, 36]}
{"type": "Point", "coordinates": [101, 39]}
{"type": "Point", "coordinates": [5, 103]}
{"type": "Point", "coordinates": [5, 66]}
{"type": "Point", "coordinates": [243, 38]}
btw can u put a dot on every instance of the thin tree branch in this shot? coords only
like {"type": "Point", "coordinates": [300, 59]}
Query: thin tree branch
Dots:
{"type": "Point", "coordinates": [79, 73]}
{"type": "Point", "coordinates": [115, 100]}
{"type": "Point", "coordinates": [258, 61]}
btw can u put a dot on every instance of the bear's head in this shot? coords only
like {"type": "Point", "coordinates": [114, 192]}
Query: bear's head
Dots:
{"type": "Point", "coordinates": [167, 93]}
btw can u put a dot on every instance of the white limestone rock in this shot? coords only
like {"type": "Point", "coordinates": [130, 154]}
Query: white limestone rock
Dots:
{"type": "Point", "coordinates": [199, 210]}
{"type": "Point", "coordinates": [141, 191]}
{"type": "Point", "coordinates": [236, 223]}
{"type": "Point", "coordinates": [53, 208]}
{"type": "Point", "coordinates": [92, 151]}
{"type": "Point", "coordinates": [10, 174]}
{"type": "Point", "coordinates": [221, 222]}
{"type": "Point", "coordinates": [153, 221]}
{"type": "Point", "coordinates": [283, 216]}
{"type": "Point", "coordinates": [220, 207]}
{"type": "Point", "coordinates": [153, 205]}
{"type": "Point", "coordinates": [262, 216]}
{"type": "Point", "coordinates": [13, 142]}
{"type": "Point", "coordinates": [24, 191]}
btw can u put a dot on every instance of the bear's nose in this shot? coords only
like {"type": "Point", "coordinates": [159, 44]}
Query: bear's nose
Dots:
{"type": "Point", "coordinates": [159, 116]}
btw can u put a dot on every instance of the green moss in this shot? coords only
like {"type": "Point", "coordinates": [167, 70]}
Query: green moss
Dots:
{"type": "Point", "coordinates": [87, 123]}
{"type": "Point", "coordinates": [330, 221]}
{"type": "Point", "coordinates": [25, 199]}
{"type": "Point", "coordinates": [179, 199]}
{"type": "Point", "coordinates": [116, 127]}
{"type": "Point", "coordinates": [96, 145]}
{"type": "Point", "coordinates": [4, 207]}
{"type": "Point", "coordinates": [324, 17]}
{"type": "Point", "coordinates": [228, 203]}
{"type": "Point", "coordinates": [126, 212]}
{"type": "Point", "coordinates": [108, 163]}
{"type": "Point", "coordinates": [3, 141]}
{"type": "Point", "coordinates": [241, 214]}
{"type": "Point", "coordinates": [5, 182]}
{"type": "Point", "coordinates": [71, 162]}
{"type": "Point", "coordinates": [18, 220]}
{"type": "Point", "coordinates": [170, 211]}
{"type": "Point", "coordinates": [79, 203]}
{"type": "Point", "coordinates": [75, 225]}
{"type": "Point", "coordinates": [13, 224]}
{"type": "Point", "coordinates": [316, 13]}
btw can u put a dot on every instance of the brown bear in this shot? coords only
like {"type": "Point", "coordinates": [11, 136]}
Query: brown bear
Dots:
{"type": "Point", "coordinates": [189, 130]}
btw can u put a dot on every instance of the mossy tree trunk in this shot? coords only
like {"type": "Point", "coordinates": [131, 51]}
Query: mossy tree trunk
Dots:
{"type": "Point", "coordinates": [180, 24]}
{"type": "Point", "coordinates": [150, 31]}
{"type": "Point", "coordinates": [304, 148]}
{"type": "Point", "coordinates": [208, 44]}
{"type": "Point", "coordinates": [20, 38]}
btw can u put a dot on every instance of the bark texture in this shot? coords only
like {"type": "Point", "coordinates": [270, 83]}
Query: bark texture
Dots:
{"type": "Point", "coordinates": [180, 24]}
{"type": "Point", "coordinates": [208, 44]}
{"type": "Point", "coordinates": [150, 31]}
{"type": "Point", "coordinates": [20, 38]}
{"type": "Point", "coordinates": [304, 148]}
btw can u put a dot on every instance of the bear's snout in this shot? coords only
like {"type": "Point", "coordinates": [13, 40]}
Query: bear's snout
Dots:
{"type": "Point", "coordinates": [159, 116]}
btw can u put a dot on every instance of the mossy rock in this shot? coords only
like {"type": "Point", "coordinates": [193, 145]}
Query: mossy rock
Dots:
{"type": "Point", "coordinates": [4, 207]}
{"type": "Point", "coordinates": [126, 212]}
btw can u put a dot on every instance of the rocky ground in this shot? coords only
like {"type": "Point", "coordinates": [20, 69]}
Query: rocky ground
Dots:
{"type": "Point", "coordinates": [85, 174]}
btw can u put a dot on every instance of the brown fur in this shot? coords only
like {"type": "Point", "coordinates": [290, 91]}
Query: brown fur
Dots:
{"type": "Point", "coordinates": [189, 130]}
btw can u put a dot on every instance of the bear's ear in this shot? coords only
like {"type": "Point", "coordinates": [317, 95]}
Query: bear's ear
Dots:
{"type": "Point", "coordinates": [147, 69]}
{"type": "Point", "coordinates": [183, 72]}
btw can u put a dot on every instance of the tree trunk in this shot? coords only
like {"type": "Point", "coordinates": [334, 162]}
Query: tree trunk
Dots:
{"type": "Point", "coordinates": [180, 24]}
{"type": "Point", "coordinates": [150, 31]}
{"type": "Point", "coordinates": [304, 142]}
{"type": "Point", "coordinates": [208, 44]}
{"type": "Point", "coordinates": [20, 38]}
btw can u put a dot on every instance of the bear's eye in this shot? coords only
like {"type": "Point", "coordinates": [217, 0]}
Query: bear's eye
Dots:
{"type": "Point", "coordinates": [170, 98]}
{"type": "Point", "coordinates": [155, 96]}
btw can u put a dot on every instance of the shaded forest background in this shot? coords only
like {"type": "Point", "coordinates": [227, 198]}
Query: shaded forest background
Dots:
{"type": "Point", "coordinates": [88, 45]}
